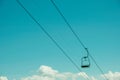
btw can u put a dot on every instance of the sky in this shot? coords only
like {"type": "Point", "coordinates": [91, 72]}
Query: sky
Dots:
{"type": "Point", "coordinates": [26, 52]}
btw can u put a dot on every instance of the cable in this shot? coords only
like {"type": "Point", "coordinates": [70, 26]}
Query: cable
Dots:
{"type": "Point", "coordinates": [98, 67]}
{"type": "Point", "coordinates": [53, 40]}
{"type": "Point", "coordinates": [63, 17]}
{"type": "Point", "coordinates": [67, 22]}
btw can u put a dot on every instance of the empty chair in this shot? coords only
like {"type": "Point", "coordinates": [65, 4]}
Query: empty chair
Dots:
{"type": "Point", "coordinates": [85, 62]}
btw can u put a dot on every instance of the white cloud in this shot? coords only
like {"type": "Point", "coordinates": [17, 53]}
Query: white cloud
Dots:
{"type": "Point", "coordinates": [45, 70]}
{"type": "Point", "coordinates": [47, 73]}
{"type": "Point", "coordinates": [112, 75]}
{"type": "Point", "coordinates": [38, 77]}
{"type": "Point", "coordinates": [3, 78]}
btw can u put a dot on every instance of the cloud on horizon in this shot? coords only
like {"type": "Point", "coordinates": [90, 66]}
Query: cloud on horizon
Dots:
{"type": "Point", "coordinates": [112, 76]}
{"type": "Point", "coordinates": [3, 78]}
{"type": "Point", "coordinates": [48, 73]}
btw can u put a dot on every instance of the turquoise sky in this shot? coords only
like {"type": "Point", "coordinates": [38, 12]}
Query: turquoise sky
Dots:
{"type": "Point", "coordinates": [24, 46]}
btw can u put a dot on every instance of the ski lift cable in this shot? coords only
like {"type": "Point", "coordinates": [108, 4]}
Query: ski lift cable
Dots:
{"type": "Point", "coordinates": [53, 40]}
{"type": "Point", "coordinates": [63, 17]}
{"type": "Point", "coordinates": [68, 24]}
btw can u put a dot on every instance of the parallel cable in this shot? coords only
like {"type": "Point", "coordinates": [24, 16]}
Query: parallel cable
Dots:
{"type": "Point", "coordinates": [53, 40]}
{"type": "Point", "coordinates": [99, 67]}
{"type": "Point", "coordinates": [68, 24]}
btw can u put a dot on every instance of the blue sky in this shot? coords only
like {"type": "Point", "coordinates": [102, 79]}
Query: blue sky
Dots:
{"type": "Point", "coordinates": [24, 46]}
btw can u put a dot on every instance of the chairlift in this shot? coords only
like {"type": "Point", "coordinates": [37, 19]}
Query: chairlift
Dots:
{"type": "Point", "coordinates": [85, 62]}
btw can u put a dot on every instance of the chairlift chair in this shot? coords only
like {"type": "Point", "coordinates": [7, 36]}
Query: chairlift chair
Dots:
{"type": "Point", "coordinates": [85, 62]}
